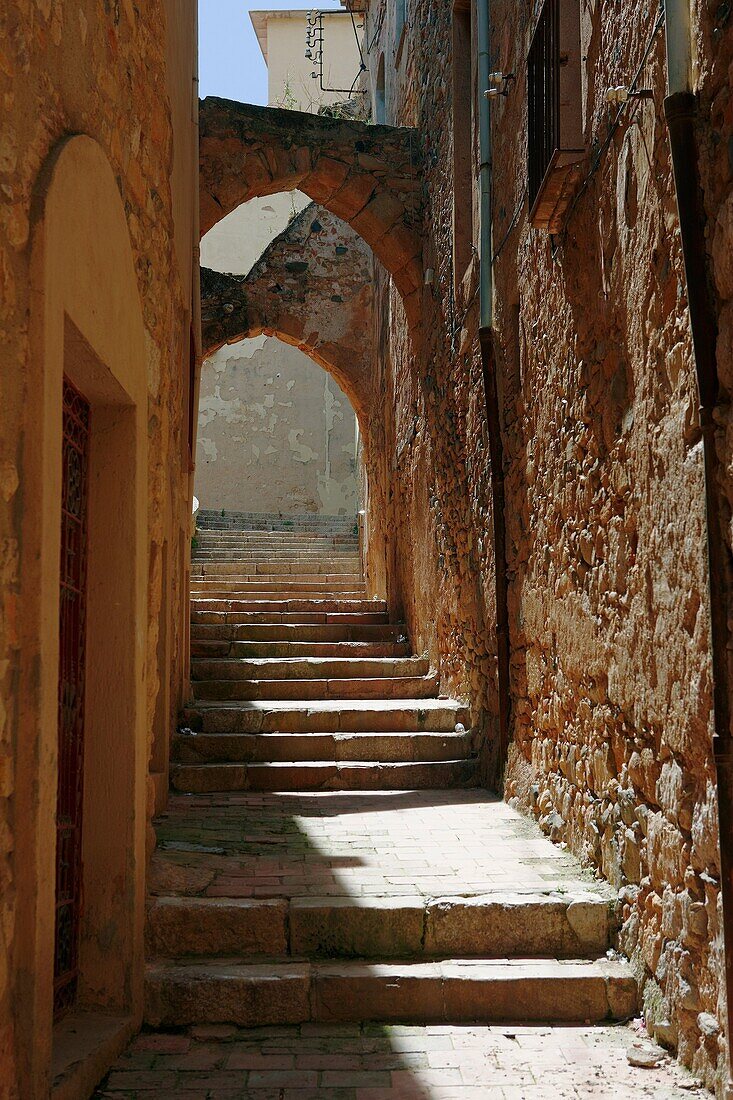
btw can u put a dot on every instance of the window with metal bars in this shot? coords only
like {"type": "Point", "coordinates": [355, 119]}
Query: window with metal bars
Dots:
{"type": "Point", "coordinates": [71, 702]}
{"type": "Point", "coordinates": [554, 112]}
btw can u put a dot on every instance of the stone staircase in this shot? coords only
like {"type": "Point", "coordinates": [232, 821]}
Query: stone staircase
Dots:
{"type": "Point", "coordinates": [327, 856]}
{"type": "Point", "coordinates": [300, 682]}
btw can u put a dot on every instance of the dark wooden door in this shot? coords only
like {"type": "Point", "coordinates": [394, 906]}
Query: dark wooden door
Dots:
{"type": "Point", "coordinates": [72, 665]}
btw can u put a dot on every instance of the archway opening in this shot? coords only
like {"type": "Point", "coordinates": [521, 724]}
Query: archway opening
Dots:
{"type": "Point", "coordinates": [276, 434]}
{"type": "Point", "coordinates": [278, 425]}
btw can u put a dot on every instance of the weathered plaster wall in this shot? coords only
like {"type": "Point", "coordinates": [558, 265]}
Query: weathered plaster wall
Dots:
{"type": "Point", "coordinates": [606, 553]}
{"type": "Point", "coordinates": [275, 434]}
{"type": "Point", "coordinates": [99, 70]}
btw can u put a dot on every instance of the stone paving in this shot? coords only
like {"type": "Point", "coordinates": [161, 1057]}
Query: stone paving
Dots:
{"type": "Point", "coordinates": [356, 844]}
{"type": "Point", "coordinates": [374, 1062]}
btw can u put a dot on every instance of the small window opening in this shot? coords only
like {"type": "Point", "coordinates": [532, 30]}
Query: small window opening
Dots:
{"type": "Point", "coordinates": [554, 97]}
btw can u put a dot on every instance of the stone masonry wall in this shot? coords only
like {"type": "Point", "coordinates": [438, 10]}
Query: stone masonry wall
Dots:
{"type": "Point", "coordinates": [611, 729]}
{"type": "Point", "coordinates": [96, 67]}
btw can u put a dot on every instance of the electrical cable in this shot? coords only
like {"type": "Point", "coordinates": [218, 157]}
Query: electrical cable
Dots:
{"type": "Point", "coordinates": [595, 164]}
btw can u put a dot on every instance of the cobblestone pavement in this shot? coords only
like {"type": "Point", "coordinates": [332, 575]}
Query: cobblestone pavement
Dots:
{"type": "Point", "coordinates": [375, 1062]}
{"type": "Point", "coordinates": [355, 844]}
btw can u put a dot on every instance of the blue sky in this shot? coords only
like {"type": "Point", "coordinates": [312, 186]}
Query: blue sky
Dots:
{"type": "Point", "coordinates": [230, 61]}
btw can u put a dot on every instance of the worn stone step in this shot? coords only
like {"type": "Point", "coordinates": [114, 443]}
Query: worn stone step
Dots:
{"type": "Point", "coordinates": [303, 668]}
{"type": "Point", "coordinates": [299, 632]}
{"type": "Point", "coordinates": [203, 748]}
{"type": "Point", "coordinates": [280, 582]}
{"type": "Point", "coordinates": [277, 565]}
{"type": "Point", "coordinates": [501, 925]}
{"type": "Point", "coordinates": [309, 574]}
{"type": "Point", "coordinates": [334, 775]}
{"type": "Point", "coordinates": [277, 553]}
{"type": "Point", "coordinates": [245, 618]}
{"type": "Point", "coordinates": [277, 607]}
{"type": "Point", "coordinates": [327, 716]}
{"type": "Point", "coordinates": [291, 567]}
{"type": "Point", "coordinates": [263, 596]}
{"type": "Point", "coordinates": [291, 534]}
{"type": "Point", "coordinates": [274, 538]}
{"type": "Point", "coordinates": [375, 687]}
{"type": "Point", "coordinates": [203, 649]}
{"type": "Point", "coordinates": [449, 991]}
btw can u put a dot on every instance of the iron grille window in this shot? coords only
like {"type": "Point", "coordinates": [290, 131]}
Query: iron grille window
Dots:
{"type": "Point", "coordinates": [543, 75]}
{"type": "Point", "coordinates": [72, 674]}
{"type": "Point", "coordinates": [555, 146]}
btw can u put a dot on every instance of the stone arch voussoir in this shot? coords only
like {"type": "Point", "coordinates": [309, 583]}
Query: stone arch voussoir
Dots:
{"type": "Point", "coordinates": [369, 176]}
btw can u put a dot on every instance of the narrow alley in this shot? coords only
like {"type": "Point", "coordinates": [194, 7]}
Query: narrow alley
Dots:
{"type": "Point", "coordinates": [366, 550]}
{"type": "Point", "coordinates": [329, 870]}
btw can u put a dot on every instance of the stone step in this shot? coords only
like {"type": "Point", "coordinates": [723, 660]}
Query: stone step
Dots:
{"type": "Point", "coordinates": [245, 618]}
{"type": "Point", "coordinates": [299, 632]}
{"type": "Point", "coordinates": [308, 606]}
{"type": "Point", "coordinates": [258, 595]}
{"type": "Point", "coordinates": [449, 991]}
{"type": "Point", "coordinates": [205, 649]}
{"type": "Point", "coordinates": [311, 547]}
{"type": "Point", "coordinates": [393, 687]}
{"type": "Point", "coordinates": [201, 748]}
{"type": "Point", "coordinates": [264, 580]}
{"type": "Point", "coordinates": [305, 668]}
{"type": "Point", "coordinates": [502, 925]}
{"type": "Point", "coordinates": [327, 716]}
{"type": "Point", "coordinates": [323, 775]}
{"type": "Point", "coordinates": [316, 569]}
{"type": "Point", "coordinates": [294, 531]}
{"type": "Point", "coordinates": [280, 566]}
{"type": "Point", "coordinates": [333, 559]}
{"type": "Point", "coordinates": [282, 582]}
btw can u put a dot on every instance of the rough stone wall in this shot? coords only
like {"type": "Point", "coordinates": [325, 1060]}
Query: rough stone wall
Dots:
{"type": "Point", "coordinates": [275, 434]}
{"type": "Point", "coordinates": [611, 695]}
{"type": "Point", "coordinates": [99, 69]}
{"type": "Point", "coordinates": [436, 526]}
{"type": "Point", "coordinates": [312, 286]}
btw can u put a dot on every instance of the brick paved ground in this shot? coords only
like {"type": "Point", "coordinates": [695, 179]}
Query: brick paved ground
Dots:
{"type": "Point", "coordinates": [373, 1062]}
{"type": "Point", "coordinates": [429, 843]}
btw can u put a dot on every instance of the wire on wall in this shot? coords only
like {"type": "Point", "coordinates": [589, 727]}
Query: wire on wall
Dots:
{"type": "Point", "coordinates": [603, 147]}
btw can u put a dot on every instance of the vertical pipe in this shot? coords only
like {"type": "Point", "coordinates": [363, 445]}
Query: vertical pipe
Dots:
{"type": "Point", "coordinates": [677, 33]}
{"type": "Point", "coordinates": [491, 389]}
{"type": "Point", "coordinates": [680, 107]}
{"type": "Point", "coordinates": [483, 32]}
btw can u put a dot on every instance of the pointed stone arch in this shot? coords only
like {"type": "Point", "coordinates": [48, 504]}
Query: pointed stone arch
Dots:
{"type": "Point", "coordinates": [312, 288]}
{"type": "Point", "coordinates": [366, 175]}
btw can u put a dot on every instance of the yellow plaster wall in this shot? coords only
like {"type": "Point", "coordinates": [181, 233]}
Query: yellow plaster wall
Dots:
{"type": "Point", "coordinates": [110, 72]}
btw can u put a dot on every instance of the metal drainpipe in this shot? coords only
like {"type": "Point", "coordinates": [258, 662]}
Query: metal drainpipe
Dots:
{"type": "Point", "coordinates": [491, 390]}
{"type": "Point", "coordinates": [680, 108]}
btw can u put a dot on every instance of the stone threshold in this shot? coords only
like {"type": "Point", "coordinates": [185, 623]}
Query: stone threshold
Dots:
{"type": "Point", "coordinates": [85, 1045]}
